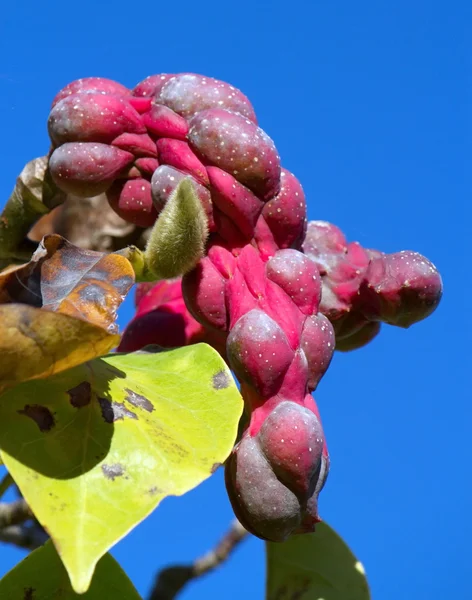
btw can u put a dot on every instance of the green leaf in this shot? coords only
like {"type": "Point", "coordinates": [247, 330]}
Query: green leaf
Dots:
{"type": "Point", "coordinates": [95, 449]}
{"type": "Point", "coordinates": [41, 576]}
{"type": "Point", "coordinates": [316, 566]}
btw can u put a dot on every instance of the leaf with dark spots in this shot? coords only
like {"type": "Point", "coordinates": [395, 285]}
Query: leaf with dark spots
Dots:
{"type": "Point", "coordinates": [221, 380]}
{"type": "Point", "coordinates": [110, 462]}
{"type": "Point", "coordinates": [313, 567]}
{"type": "Point", "coordinates": [41, 415]}
{"type": "Point", "coordinates": [41, 576]}
{"type": "Point", "coordinates": [138, 400]}
{"type": "Point", "coordinates": [29, 594]}
{"type": "Point", "coordinates": [80, 395]}
{"type": "Point", "coordinates": [114, 411]}
{"type": "Point", "coordinates": [113, 471]}
{"type": "Point", "coordinates": [64, 278]}
{"type": "Point", "coordinates": [36, 344]}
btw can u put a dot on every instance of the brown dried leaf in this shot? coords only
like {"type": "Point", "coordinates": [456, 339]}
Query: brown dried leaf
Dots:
{"type": "Point", "coordinates": [34, 195]}
{"type": "Point", "coordinates": [36, 343]}
{"type": "Point", "coordinates": [34, 184]}
{"type": "Point", "coordinates": [66, 279]}
{"type": "Point", "coordinates": [88, 223]}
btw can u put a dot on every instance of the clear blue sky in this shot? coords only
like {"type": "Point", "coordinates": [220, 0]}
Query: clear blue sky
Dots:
{"type": "Point", "coordinates": [366, 102]}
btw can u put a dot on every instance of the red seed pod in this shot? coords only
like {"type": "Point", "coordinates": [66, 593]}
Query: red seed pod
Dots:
{"type": "Point", "coordinates": [131, 199]}
{"type": "Point", "coordinates": [259, 352]}
{"type": "Point", "coordinates": [89, 85]}
{"type": "Point", "coordinates": [401, 289]}
{"type": "Point", "coordinates": [161, 121]}
{"type": "Point", "coordinates": [292, 440]}
{"type": "Point", "coordinates": [236, 145]}
{"type": "Point", "coordinates": [360, 338]}
{"type": "Point", "coordinates": [177, 154]}
{"type": "Point", "coordinates": [318, 343]}
{"type": "Point", "coordinates": [92, 117]}
{"type": "Point", "coordinates": [298, 276]}
{"type": "Point", "coordinates": [87, 169]}
{"type": "Point", "coordinates": [152, 85]}
{"type": "Point", "coordinates": [188, 93]}
{"type": "Point", "coordinates": [285, 214]}
{"type": "Point", "coordinates": [263, 504]}
{"type": "Point", "coordinates": [139, 144]}
{"type": "Point", "coordinates": [204, 292]}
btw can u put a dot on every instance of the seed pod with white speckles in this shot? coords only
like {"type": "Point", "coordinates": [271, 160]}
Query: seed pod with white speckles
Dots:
{"type": "Point", "coordinates": [259, 352]}
{"type": "Point", "coordinates": [401, 289]}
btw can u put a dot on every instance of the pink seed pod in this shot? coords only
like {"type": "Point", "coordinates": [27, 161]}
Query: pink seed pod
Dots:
{"type": "Point", "coordinates": [360, 338]}
{"type": "Point", "coordinates": [139, 144]}
{"type": "Point", "coordinates": [188, 93]}
{"type": "Point", "coordinates": [152, 295]}
{"type": "Point", "coordinates": [263, 504]}
{"type": "Point", "coordinates": [318, 344]}
{"type": "Point", "coordinates": [401, 289]}
{"type": "Point", "coordinates": [177, 154]}
{"type": "Point", "coordinates": [298, 276]}
{"type": "Point", "coordinates": [131, 199]}
{"type": "Point", "coordinates": [141, 291]}
{"type": "Point", "coordinates": [92, 117]}
{"type": "Point", "coordinates": [236, 145]}
{"type": "Point", "coordinates": [292, 440]}
{"type": "Point", "coordinates": [323, 238]}
{"type": "Point", "coordinates": [234, 200]}
{"type": "Point", "coordinates": [152, 85]}
{"type": "Point", "coordinates": [165, 327]}
{"type": "Point", "coordinates": [146, 166]}
{"type": "Point", "coordinates": [88, 85]}
{"type": "Point", "coordinates": [285, 214]}
{"type": "Point", "coordinates": [161, 121]}
{"type": "Point", "coordinates": [87, 169]}
{"type": "Point", "coordinates": [259, 352]}
{"type": "Point", "coordinates": [204, 292]}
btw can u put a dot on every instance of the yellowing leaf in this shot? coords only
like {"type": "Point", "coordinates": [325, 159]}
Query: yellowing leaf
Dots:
{"type": "Point", "coordinates": [59, 310]}
{"type": "Point", "coordinates": [316, 566]}
{"type": "Point", "coordinates": [63, 278]}
{"type": "Point", "coordinates": [41, 576]}
{"type": "Point", "coordinates": [95, 449]}
{"type": "Point", "coordinates": [36, 343]}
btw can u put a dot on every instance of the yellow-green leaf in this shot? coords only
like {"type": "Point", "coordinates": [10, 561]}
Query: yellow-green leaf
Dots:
{"type": "Point", "coordinates": [41, 576]}
{"type": "Point", "coordinates": [36, 343]}
{"type": "Point", "coordinates": [96, 448]}
{"type": "Point", "coordinates": [316, 566]}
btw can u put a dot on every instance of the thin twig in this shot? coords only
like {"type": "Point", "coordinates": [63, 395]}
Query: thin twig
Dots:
{"type": "Point", "coordinates": [171, 580]}
{"type": "Point", "coordinates": [27, 537]}
{"type": "Point", "coordinates": [14, 513]}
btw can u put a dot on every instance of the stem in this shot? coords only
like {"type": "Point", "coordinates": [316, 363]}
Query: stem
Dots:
{"type": "Point", "coordinates": [14, 513]}
{"type": "Point", "coordinates": [171, 580]}
{"type": "Point", "coordinates": [138, 261]}
{"type": "Point", "coordinates": [29, 538]}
